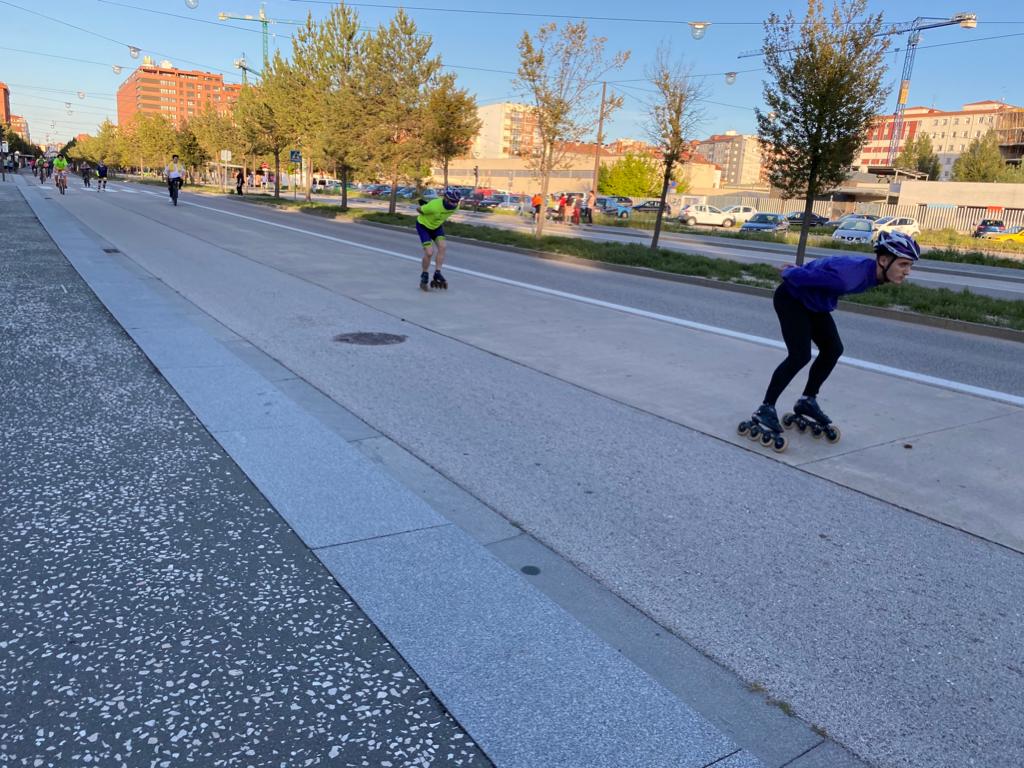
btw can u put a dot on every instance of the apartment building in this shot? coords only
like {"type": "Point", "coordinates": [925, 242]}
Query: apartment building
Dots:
{"type": "Point", "coordinates": [737, 155]}
{"type": "Point", "coordinates": [177, 94]}
{"type": "Point", "coordinates": [20, 126]}
{"type": "Point", "coordinates": [506, 130]}
{"type": "Point", "coordinates": [950, 132]}
{"type": "Point", "coordinates": [5, 104]}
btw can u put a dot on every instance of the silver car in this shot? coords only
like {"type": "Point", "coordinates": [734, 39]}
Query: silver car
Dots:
{"type": "Point", "coordinates": [855, 231]}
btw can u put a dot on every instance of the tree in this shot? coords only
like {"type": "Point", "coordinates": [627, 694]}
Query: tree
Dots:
{"type": "Point", "coordinates": [558, 69]}
{"type": "Point", "coordinates": [190, 151]}
{"type": "Point", "coordinates": [982, 161]}
{"type": "Point", "coordinates": [451, 122]}
{"type": "Point", "coordinates": [215, 130]}
{"type": "Point", "coordinates": [632, 175]}
{"type": "Point", "coordinates": [261, 114]}
{"type": "Point", "coordinates": [155, 139]}
{"type": "Point", "coordinates": [391, 88]}
{"type": "Point", "coordinates": [918, 155]}
{"type": "Point", "coordinates": [822, 93]}
{"type": "Point", "coordinates": [673, 116]}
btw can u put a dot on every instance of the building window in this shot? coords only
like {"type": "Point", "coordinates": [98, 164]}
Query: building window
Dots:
{"type": "Point", "coordinates": [961, 147]}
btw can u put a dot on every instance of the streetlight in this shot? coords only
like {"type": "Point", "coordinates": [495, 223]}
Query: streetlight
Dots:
{"type": "Point", "coordinates": [730, 78]}
{"type": "Point", "coordinates": [193, 4]}
{"type": "Point", "coordinates": [133, 51]}
{"type": "Point", "coordinates": [81, 94]}
{"type": "Point", "coordinates": [117, 69]}
{"type": "Point", "coordinates": [698, 28]}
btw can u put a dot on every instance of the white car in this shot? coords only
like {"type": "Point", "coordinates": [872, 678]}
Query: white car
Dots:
{"type": "Point", "coordinates": [741, 213]}
{"type": "Point", "coordinates": [855, 231]}
{"type": "Point", "coordinates": [705, 214]}
{"type": "Point", "coordinates": [898, 224]}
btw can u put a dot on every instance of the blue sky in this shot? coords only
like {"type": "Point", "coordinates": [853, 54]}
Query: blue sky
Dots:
{"type": "Point", "coordinates": [945, 76]}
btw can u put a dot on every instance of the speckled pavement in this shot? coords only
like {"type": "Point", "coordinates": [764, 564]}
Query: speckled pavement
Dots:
{"type": "Point", "coordinates": [155, 610]}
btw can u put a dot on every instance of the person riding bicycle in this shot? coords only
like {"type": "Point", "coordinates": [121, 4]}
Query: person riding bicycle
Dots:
{"type": "Point", "coordinates": [174, 172]}
{"type": "Point", "coordinates": [60, 165]}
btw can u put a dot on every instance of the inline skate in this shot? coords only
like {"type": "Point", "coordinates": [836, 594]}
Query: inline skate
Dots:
{"type": "Point", "coordinates": [764, 427]}
{"type": "Point", "coordinates": [439, 281]}
{"type": "Point", "coordinates": [424, 281]}
{"type": "Point", "coordinates": [807, 414]}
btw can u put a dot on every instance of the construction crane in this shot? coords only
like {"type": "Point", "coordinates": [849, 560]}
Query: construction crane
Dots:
{"type": "Point", "coordinates": [243, 65]}
{"type": "Point", "coordinates": [265, 22]}
{"type": "Point", "coordinates": [964, 20]}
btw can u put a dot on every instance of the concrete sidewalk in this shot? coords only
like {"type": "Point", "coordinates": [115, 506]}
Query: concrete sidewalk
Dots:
{"type": "Point", "coordinates": [530, 684]}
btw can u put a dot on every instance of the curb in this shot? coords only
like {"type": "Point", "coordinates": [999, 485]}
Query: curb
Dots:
{"type": "Point", "coordinates": [914, 318]}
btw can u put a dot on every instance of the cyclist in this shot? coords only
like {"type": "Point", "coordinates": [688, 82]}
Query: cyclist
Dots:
{"type": "Point", "coordinates": [101, 175]}
{"type": "Point", "coordinates": [60, 165]}
{"type": "Point", "coordinates": [174, 173]}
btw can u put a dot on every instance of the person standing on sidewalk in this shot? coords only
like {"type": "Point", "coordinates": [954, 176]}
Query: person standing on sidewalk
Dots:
{"type": "Point", "coordinates": [430, 228]}
{"type": "Point", "coordinates": [239, 181]}
{"type": "Point", "coordinates": [804, 302]}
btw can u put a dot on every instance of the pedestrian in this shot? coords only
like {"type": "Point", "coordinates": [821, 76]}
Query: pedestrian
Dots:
{"type": "Point", "coordinates": [86, 174]}
{"type": "Point", "coordinates": [576, 211]}
{"type": "Point", "coordinates": [250, 180]}
{"type": "Point", "coordinates": [560, 207]}
{"type": "Point", "coordinates": [804, 302]}
{"type": "Point", "coordinates": [591, 205]}
{"type": "Point", "coordinates": [239, 181]}
{"type": "Point", "coordinates": [537, 202]}
{"type": "Point", "coordinates": [430, 228]}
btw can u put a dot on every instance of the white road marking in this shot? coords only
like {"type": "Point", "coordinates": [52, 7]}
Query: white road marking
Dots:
{"type": "Point", "coordinates": [920, 378]}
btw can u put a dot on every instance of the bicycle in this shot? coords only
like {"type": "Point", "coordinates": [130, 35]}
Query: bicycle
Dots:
{"type": "Point", "coordinates": [174, 185]}
{"type": "Point", "coordinates": [62, 181]}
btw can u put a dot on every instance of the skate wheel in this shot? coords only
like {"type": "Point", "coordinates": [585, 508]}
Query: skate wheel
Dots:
{"type": "Point", "coordinates": [817, 432]}
{"type": "Point", "coordinates": [787, 420]}
{"type": "Point", "coordinates": [832, 434]}
{"type": "Point", "coordinates": [780, 444]}
{"type": "Point", "coordinates": [755, 430]}
{"type": "Point", "coordinates": [801, 425]}
{"type": "Point", "coordinates": [743, 428]}
{"type": "Point", "coordinates": [766, 438]}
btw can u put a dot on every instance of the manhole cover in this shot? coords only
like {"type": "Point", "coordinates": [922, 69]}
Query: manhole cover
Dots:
{"type": "Point", "coordinates": [111, 250]}
{"type": "Point", "coordinates": [369, 339]}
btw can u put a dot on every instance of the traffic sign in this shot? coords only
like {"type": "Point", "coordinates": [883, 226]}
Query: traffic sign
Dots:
{"type": "Point", "coordinates": [4, 147]}
{"type": "Point", "coordinates": [294, 156]}
{"type": "Point", "coordinates": [225, 155]}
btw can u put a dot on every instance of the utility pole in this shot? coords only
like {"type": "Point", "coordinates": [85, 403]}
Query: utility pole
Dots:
{"type": "Point", "coordinates": [600, 138]}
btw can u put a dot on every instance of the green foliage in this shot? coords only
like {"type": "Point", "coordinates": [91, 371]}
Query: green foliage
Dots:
{"type": "Point", "coordinates": [450, 122]}
{"type": "Point", "coordinates": [918, 155]}
{"type": "Point", "coordinates": [17, 144]}
{"type": "Point", "coordinates": [633, 175]}
{"type": "Point", "coordinates": [982, 161]}
{"type": "Point", "coordinates": [822, 92]}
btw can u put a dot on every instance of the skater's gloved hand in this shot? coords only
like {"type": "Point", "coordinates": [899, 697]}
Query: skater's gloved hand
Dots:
{"type": "Point", "coordinates": [783, 267]}
{"type": "Point", "coordinates": [421, 201]}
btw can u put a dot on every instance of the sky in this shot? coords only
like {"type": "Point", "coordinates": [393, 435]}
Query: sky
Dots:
{"type": "Point", "coordinates": [480, 46]}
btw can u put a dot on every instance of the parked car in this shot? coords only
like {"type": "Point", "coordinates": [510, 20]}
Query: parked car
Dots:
{"type": "Point", "coordinates": [479, 202]}
{"type": "Point", "coordinates": [898, 224]}
{"type": "Point", "coordinates": [765, 222]}
{"type": "Point", "coordinates": [381, 190]}
{"type": "Point", "coordinates": [705, 214]}
{"type": "Point", "coordinates": [990, 228]}
{"type": "Point", "coordinates": [406, 193]}
{"type": "Point", "coordinates": [509, 202]}
{"type": "Point", "coordinates": [1012, 235]}
{"type": "Point", "coordinates": [796, 219]}
{"type": "Point", "coordinates": [855, 231]}
{"type": "Point", "coordinates": [651, 206]}
{"type": "Point", "coordinates": [836, 223]}
{"type": "Point", "coordinates": [617, 206]}
{"type": "Point", "coordinates": [741, 213]}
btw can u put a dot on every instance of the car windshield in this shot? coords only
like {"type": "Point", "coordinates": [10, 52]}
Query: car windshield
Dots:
{"type": "Point", "coordinates": [761, 218]}
{"type": "Point", "coordinates": [886, 220]}
{"type": "Point", "coordinates": [991, 223]}
{"type": "Point", "coordinates": [858, 225]}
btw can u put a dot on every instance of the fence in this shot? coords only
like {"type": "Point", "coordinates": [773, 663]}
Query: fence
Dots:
{"type": "Point", "coordinates": [961, 218]}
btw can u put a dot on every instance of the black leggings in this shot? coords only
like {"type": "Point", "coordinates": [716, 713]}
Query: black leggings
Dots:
{"type": "Point", "coordinates": [800, 327]}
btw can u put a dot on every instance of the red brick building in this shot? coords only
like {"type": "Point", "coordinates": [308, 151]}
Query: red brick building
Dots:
{"type": "Point", "coordinates": [177, 94]}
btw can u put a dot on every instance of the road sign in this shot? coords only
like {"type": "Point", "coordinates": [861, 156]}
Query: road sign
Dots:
{"type": "Point", "coordinates": [294, 156]}
{"type": "Point", "coordinates": [4, 147]}
{"type": "Point", "coordinates": [225, 155]}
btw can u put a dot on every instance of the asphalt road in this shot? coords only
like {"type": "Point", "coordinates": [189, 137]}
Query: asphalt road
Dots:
{"type": "Point", "coordinates": [897, 635]}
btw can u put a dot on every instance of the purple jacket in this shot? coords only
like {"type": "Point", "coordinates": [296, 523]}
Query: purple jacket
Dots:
{"type": "Point", "coordinates": [819, 283]}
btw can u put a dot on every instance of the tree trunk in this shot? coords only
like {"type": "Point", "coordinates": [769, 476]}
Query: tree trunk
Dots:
{"type": "Point", "coordinates": [808, 206]}
{"type": "Point", "coordinates": [446, 173]}
{"type": "Point", "coordinates": [344, 187]}
{"type": "Point", "coordinates": [393, 197]}
{"type": "Point", "coordinates": [277, 172]}
{"type": "Point", "coordinates": [307, 166]}
{"type": "Point", "coordinates": [545, 180]}
{"type": "Point", "coordinates": [661, 209]}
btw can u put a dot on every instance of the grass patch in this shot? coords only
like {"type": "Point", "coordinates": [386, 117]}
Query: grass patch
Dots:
{"type": "Point", "coordinates": [937, 302]}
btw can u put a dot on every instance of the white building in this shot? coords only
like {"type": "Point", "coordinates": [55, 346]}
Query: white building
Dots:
{"type": "Point", "coordinates": [738, 155]}
{"type": "Point", "coordinates": [506, 130]}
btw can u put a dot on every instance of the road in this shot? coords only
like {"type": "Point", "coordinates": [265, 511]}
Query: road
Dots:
{"type": "Point", "coordinates": [566, 399]}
